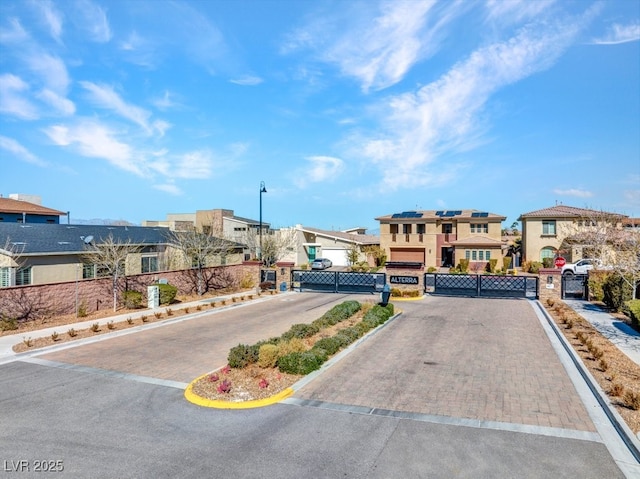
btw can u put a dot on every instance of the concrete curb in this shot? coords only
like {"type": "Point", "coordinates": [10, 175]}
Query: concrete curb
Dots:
{"type": "Point", "coordinates": [8, 341]}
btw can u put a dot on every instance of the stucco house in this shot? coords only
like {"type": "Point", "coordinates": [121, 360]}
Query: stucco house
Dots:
{"type": "Point", "coordinates": [33, 254]}
{"type": "Point", "coordinates": [315, 243]}
{"type": "Point", "coordinates": [219, 222]}
{"type": "Point", "coordinates": [440, 238]}
{"type": "Point", "coordinates": [545, 232]}
{"type": "Point", "coordinates": [27, 209]}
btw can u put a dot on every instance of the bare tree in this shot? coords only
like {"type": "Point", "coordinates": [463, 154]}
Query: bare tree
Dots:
{"type": "Point", "coordinates": [197, 252]}
{"type": "Point", "coordinates": [602, 237]}
{"type": "Point", "coordinates": [109, 258]}
{"type": "Point", "coordinates": [278, 244]}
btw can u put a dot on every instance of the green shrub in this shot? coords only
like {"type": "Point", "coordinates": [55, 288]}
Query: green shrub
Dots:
{"type": "Point", "coordinates": [242, 355]}
{"type": "Point", "coordinates": [596, 283]}
{"type": "Point", "coordinates": [615, 291]}
{"type": "Point", "coordinates": [493, 262]}
{"type": "Point", "coordinates": [268, 355]}
{"type": "Point", "coordinates": [395, 292]}
{"type": "Point", "coordinates": [531, 267]}
{"type": "Point", "coordinates": [338, 313]}
{"type": "Point", "coordinates": [548, 262]}
{"type": "Point", "coordinates": [301, 331]}
{"type": "Point", "coordinates": [132, 299]}
{"type": "Point", "coordinates": [432, 269]}
{"type": "Point", "coordinates": [632, 309]}
{"type": "Point", "coordinates": [8, 324]}
{"type": "Point", "coordinates": [167, 293]}
{"type": "Point", "coordinates": [378, 315]}
{"type": "Point", "coordinates": [506, 263]}
{"type": "Point", "coordinates": [330, 345]}
{"type": "Point", "coordinates": [294, 345]}
{"type": "Point", "coordinates": [302, 363]}
{"type": "Point", "coordinates": [463, 265]}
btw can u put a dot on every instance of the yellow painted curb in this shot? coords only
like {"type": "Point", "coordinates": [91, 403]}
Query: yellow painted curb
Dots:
{"type": "Point", "coordinates": [397, 298]}
{"type": "Point", "coordinates": [219, 404]}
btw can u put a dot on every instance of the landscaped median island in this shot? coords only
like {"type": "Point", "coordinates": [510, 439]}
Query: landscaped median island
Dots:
{"type": "Point", "coordinates": [263, 373]}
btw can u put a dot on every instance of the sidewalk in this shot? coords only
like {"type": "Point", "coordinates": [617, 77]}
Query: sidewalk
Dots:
{"type": "Point", "coordinates": [619, 333]}
{"type": "Point", "coordinates": [8, 341]}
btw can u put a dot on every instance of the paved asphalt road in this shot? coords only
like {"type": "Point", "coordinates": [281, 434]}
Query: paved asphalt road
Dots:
{"type": "Point", "coordinates": [104, 418]}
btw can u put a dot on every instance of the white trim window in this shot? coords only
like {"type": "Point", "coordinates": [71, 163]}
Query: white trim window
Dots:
{"type": "Point", "coordinates": [480, 228]}
{"type": "Point", "coordinates": [7, 276]}
{"type": "Point", "coordinates": [23, 276]}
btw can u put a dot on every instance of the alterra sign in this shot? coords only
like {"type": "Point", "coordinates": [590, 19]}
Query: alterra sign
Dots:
{"type": "Point", "coordinates": [403, 279]}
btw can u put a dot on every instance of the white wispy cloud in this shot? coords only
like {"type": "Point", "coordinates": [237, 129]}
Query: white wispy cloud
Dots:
{"type": "Point", "coordinates": [577, 192]}
{"type": "Point", "coordinates": [247, 80]}
{"type": "Point", "coordinates": [93, 19]}
{"type": "Point", "coordinates": [60, 104]}
{"type": "Point", "coordinates": [620, 34]}
{"type": "Point", "coordinates": [51, 16]}
{"type": "Point", "coordinates": [14, 98]}
{"type": "Point", "coordinates": [92, 139]}
{"type": "Point", "coordinates": [165, 102]}
{"type": "Point", "coordinates": [106, 97]}
{"type": "Point", "coordinates": [169, 188]}
{"type": "Point", "coordinates": [377, 46]}
{"type": "Point", "coordinates": [13, 33]}
{"type": "Point", "coordinates": [446, 116]}
{"type": "Point", "coordinates": [194, 165]}
{"type": "Point", "coordinates": [141, 50]}
{"type": "Point", "coordinates": [515, 11]}
{"type": "Point", "coordinates": [12, 146]}
{"type": "Point", "coordinates": [50, 70]}
{"type": "Point", "coordinates": [320, 168]}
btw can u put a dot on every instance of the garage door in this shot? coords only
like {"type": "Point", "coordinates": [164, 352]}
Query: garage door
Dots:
{"type": "Point", "coordinates": [337, 256]}
{"type": "Point", "coordinates": [407, 254]}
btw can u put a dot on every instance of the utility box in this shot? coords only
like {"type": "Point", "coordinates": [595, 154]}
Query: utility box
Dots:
{"type": "Point", "coordinates": [153, 297]}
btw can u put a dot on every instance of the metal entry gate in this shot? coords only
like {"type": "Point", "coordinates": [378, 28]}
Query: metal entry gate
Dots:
{"type": "Point", "coordinates": [574, 286]}
{"type": "Point", "coordinates": [482, 285]}
{"type": "Point", "coordinates": [338, 281]}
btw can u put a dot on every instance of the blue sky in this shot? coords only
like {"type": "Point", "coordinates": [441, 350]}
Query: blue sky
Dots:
{"type": "Point", "coordinates": [347, 110]}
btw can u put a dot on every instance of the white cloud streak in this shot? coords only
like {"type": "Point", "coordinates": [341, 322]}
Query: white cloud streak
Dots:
{"type": "Point", "coordinates": [13, 101]}
{"type": "Point", "coordinates": [576, 192]}
{"type": "Point", "coordinates": [382, 47]}
{"type": "Point", "coordinates": [12, 146]}
{"type": "Point", "coordinates": [247, 80]}
{"type": "Point", "coordinates": [92, 139]}
{"type": "Point", "coordinates": [105, 96]}
{"type": "Point", "coordinates": [93, 19]}
{"type": "Point", "coordinates": [445, 116]}
{"type": "Point", "coordinates": [620, 34]}
{"type": "Point", "coordinates": [51, 17]}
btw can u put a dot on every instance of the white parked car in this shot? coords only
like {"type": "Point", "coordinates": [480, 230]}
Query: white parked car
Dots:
{"type": "Point", "coordinates": [583, 266]}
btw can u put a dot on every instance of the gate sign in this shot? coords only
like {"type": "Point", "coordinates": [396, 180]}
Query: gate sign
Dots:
{"type": "Point", "coordinates": [403, 279]}
{"type": "Point", "coordinates": [560, 262]}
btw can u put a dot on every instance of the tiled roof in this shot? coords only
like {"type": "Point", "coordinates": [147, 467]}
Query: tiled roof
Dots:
{"type": "Point", "coordinates": [355, 238]}
{"type": "Point", "coordinates": [564, 211]}
{"type": "Point", "coordinates": [9, 205]}
{"type": "Point", "coordinates": [432, 215]}
{"type": "Point", "coordinates": [38, 239]}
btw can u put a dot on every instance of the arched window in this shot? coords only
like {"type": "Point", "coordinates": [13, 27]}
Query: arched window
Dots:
{"type": "Point", "coordinates": [547, 252]}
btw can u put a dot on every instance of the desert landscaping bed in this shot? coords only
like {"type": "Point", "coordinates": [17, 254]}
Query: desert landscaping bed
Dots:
{"type": "Point", "coordinates": [617, 375]}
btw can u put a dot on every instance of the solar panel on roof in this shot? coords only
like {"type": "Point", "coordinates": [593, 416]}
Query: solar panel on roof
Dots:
{"type": "Point", "coordinates": [475, 214]}
{"type": "Point", "coordinates": [439, 213]}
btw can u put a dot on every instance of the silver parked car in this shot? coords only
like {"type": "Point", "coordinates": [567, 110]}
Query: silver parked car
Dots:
{"type": "Point", "coordinates": [321, 263]}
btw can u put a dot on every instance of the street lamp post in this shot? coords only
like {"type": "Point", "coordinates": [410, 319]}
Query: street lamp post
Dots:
{"type": "Point", "coordinates": [262, 190]}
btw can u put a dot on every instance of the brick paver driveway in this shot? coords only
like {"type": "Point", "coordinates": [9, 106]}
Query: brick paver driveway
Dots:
{"type": "Point", "coordinates": [483, 359]}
